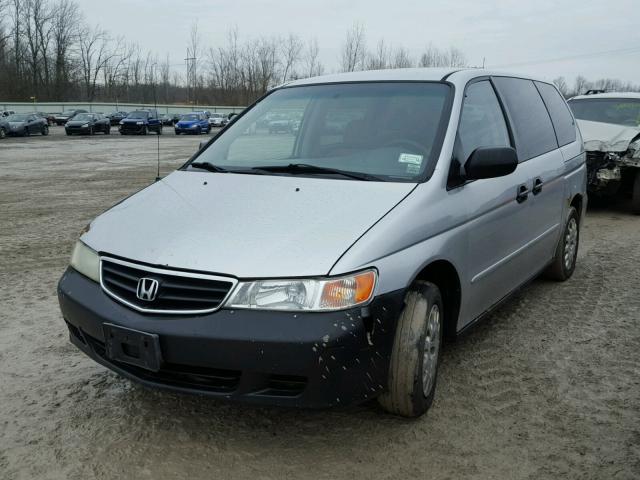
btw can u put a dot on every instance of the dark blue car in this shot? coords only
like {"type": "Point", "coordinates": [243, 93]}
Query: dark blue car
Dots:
{"type": "Point", "coordinates": [195, 123]}
{"type": "Point", "coordinates": [141, 122]}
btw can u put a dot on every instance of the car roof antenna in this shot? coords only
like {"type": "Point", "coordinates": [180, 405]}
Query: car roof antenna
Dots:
{"type": "Point", "coordinates": [155, 106]}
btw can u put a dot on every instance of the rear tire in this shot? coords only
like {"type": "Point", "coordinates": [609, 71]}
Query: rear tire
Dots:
{"type": "Point", "coordinates": [564, 262]}
{"type": "Point", "coordinates": [635, 195]}
{"type": "Point", "coordinates": [415, 358]}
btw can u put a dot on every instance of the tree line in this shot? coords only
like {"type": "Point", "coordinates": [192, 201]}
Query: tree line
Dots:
{"type": "Point", "coordinates": [49, 51]}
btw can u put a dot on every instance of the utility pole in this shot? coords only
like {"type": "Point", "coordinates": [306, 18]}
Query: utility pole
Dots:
{"type": "Point", "coordinates": [191, 75]}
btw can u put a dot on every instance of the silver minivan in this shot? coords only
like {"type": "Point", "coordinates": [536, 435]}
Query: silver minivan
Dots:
{"type": "Point", "coordinates": [324, 265]}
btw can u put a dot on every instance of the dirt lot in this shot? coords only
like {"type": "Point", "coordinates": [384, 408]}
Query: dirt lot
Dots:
{"type": "Point", "coordinates": [548, 387]}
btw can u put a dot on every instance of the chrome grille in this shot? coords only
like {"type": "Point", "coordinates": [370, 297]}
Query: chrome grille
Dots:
{"type": "Point", "coordinates": [178, 292]}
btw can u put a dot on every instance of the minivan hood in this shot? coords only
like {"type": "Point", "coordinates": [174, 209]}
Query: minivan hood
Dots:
{"type": "Point", "coordinates": [607, 137]}
{"type": "Point", "coordinates": [244, 225]}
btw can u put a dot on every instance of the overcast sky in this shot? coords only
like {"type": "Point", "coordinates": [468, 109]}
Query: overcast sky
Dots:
{"type": "Point", "coordinates": [507, 33]}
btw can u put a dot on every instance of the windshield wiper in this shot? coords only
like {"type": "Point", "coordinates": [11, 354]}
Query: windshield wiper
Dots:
{"type": "Point", "coordinates": [303, 168]}
{"type": "Point", "coordinates": [208, 166]}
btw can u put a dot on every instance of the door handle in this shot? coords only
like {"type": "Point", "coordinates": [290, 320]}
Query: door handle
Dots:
{"type": "Point", "coordinates": [537, 186]}
{"type": "Point", "coordinates": [523, 193]}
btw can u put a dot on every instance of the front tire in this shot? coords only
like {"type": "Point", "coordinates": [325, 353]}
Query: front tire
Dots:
{"type": "Point", "coordinates": [45, 130]}
{"type": "Point", "coordinates": [3, 133]}
{"type": "Point", "coordinates": [564, 262]}
{"type": "Point", "coordinates": [415, 358]}
{"type": "Point", "coordinates": [635, 195]}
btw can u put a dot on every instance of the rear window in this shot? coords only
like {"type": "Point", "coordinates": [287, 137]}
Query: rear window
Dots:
{"type": "Point", "coordinates": [619, 111]}
{"type": "Point", "coordinates": [533, 131]}
{"type": "Point", "coordinates": [561, 117]}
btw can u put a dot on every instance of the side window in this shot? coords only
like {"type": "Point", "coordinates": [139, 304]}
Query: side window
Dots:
{"type": "Point", "coordinates": [482, 123]}
{"type": "Point", "coordinates": [561, 117]}
{"type": "Point", "coordinates": [533, 131]}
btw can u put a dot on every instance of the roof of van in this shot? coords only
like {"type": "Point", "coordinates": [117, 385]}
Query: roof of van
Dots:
{"type": "Point", "coordinates": [454, 75]}
{"type": "Point", "coordinates": [608, 95]}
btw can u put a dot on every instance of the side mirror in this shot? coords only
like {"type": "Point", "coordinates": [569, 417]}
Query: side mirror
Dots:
{"type": "Point", "coordinates": [490, 162]}
{"type": "Point", "coordinates": [203, 143]}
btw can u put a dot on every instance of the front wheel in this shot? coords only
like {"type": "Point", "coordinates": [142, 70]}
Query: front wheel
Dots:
{"type": "Point", "coordinates": [564, 262]}
{"type": "Point", "coordinates": [3, 133]}
{"type": "Point", "coordinates": [415, 357]}
{"type": "Point", "coordinates": [635, 196]}
{"type": "Point", "coordinates": [144, 130]}
{"type": "Point", "coordinates": [108, 130]}
{"type": "Point", "coordinates": [45, 130]}
{"type": "Point", "coordinates": [91, 132]}
{"type": "Point", "coordinates": [26, 132]}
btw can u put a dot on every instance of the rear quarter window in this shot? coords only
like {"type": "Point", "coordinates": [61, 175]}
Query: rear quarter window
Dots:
{"type": "Point", "coordinates": [532, 127]}
{"type": "Point", "coordinates": [561, 117]}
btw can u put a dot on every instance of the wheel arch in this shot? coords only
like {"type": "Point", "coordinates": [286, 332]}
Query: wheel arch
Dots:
{"type": "Point", "coordinates": [444, 275]}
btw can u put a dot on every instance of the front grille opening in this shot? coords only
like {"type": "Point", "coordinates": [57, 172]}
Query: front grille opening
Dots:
{"type": "Point", "coordinates": [75, 332]}
{"type": "Point", "coordinates": [175, 293]}
{"type": "Point", "coordinates": [185, 376]}
{"type": "Point", "coordinates": [284, 386]}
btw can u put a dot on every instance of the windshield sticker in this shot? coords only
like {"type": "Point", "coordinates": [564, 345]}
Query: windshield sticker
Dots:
{"type": "Point", "coordinates": [410, 159]}
{"type": "Point", "coordinates": [413, 169]}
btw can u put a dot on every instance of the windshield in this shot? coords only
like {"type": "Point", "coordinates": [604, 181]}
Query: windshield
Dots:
{"type": "Point", "coordinates": [189, 117]}
{"type": "Point", "coordinates": [138, 115]}
{"type": "Point", "coordinates": [619, 111]}
{"type": "Point", "coordinates": [17, 118]}
{"type": "Point", "coordinates": [387, 130]}
{"type": "Point", "coordinates": [83, 117]}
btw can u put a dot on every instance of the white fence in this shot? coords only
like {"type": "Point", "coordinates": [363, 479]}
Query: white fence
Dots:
{"type": "Point", "coordinates": [56, 107]}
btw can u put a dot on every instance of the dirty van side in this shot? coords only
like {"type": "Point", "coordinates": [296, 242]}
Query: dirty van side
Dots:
{"type": "Point", "coordinates": [323, 265]}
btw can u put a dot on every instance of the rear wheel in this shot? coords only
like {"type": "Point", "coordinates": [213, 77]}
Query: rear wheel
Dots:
{"type": "Point", "coordinates": [415, 357]}
{"type": "Point", "coordinates": [564, 262]}
{"type": "Point", "coordinates": [635, 196]}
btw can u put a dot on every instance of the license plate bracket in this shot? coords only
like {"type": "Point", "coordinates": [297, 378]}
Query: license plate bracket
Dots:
{"type": "Point", "coordinates": [126, 345]}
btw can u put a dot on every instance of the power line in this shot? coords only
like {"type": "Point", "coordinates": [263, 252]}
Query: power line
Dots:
{"type": "Point", "coordinates": [621, 51]}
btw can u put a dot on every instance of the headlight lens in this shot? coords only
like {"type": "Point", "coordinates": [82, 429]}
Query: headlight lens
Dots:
{"type": "Point", "coordinates": [86, 261]}
{"type": "Point", "coordinates": [336, 293]}
{"type": "Point", "coordinates": [86, 125]}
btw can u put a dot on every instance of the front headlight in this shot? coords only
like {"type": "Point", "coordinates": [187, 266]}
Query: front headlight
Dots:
{"type": "Point", "coordinates": [86, 261]}
{"type": "Point", "coordinates": [86, 125]}
{"type": "Point", "coordinates": [313, 295]}
{"type": "Point", "coordinates": [139, 123]}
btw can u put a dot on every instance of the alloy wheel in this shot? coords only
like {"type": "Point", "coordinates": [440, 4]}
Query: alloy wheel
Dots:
{"type": "Point", "coordinates": [431, 350]}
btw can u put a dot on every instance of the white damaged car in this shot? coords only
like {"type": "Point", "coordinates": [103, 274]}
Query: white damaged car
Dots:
{"type": "Point", "coordinates": [610, 127]}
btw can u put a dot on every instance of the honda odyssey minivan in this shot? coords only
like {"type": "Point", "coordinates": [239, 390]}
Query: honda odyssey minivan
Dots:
{"type": "Point", "coordinates": [324, 266]}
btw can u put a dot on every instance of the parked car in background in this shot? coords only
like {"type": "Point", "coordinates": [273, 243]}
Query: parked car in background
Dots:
{"type": "Point", "coordinates": [141, 122]}
{"type": "Point", "coordinates": [88, 124]}
{"type": "Point", "coordinates": [49, 117]}
{"type": "Point", "coordinates": [25, 124]}
{"type": "Point", "coordinates": [63, 117]}
{"type": "Point", "coordinates": [167, 119]}
{"type": "Point", "coordinates": [6, 113]}
{"type": "Point", "coordinates": [116, 117]}
{"type": "Point", "coordinates": [217, 120]}
{"type": "Point", "coordinates": [194, 123]}
{"type": "Point", "coordinates": [176, 117]}
{"type": "Point", "coordinates": [4, 127]}
{"type": "Point", "coordinates": [325, 270]}
{"type": "Point", "coordinates": [610, 126]}
{"type": "Point", "coordinates": [279, 123]}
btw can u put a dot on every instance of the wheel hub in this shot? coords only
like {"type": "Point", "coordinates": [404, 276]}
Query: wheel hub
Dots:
{"type": "Point", "coordinates": [570, 243]}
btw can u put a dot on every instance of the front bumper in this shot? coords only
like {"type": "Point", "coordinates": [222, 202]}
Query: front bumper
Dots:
{"type": "Point", "coordinates": [196, 129]}
{"type": "Point", "coordinates": [132, 129]}
{"type": "Point", "coordinates": [261, 357]}
{"type": "Point", "coordinates": [80, 130]}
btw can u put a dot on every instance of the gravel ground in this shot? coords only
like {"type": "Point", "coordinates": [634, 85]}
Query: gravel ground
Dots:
{"type": "Point", "coordinates": [547, 387]}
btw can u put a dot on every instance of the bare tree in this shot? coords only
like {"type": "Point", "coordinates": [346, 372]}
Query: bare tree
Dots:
{"type": "Point", "coordinates": [313, 67]}
{"type": "Point", "coordinates": [380, 58]}
{"type": "Point", "coordinates": [94, 56]}
{"type": "Point", "coordinates": [561, 83]}
{"type": "Point", "coordinates": [434, 57]}
{"type": "Point", "coordinates": [354, 53]}
{"type": "Point", "coordinates": [291, 50]}
{"type": "Point", "coordinates": [401, 58]}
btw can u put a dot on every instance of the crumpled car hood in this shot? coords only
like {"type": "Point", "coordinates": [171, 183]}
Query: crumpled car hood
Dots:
{"type": "Point", "coordinates": [607, 137]}
{"type": "Point", "coordinates": [244, 225]}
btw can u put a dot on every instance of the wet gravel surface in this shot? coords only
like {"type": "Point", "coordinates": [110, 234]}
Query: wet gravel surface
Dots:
{"type": "Point", "coordinates": [547, 387]}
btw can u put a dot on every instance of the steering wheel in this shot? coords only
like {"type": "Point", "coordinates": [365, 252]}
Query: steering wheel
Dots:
{"type": "Point", "coordinates": [404, 142]}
